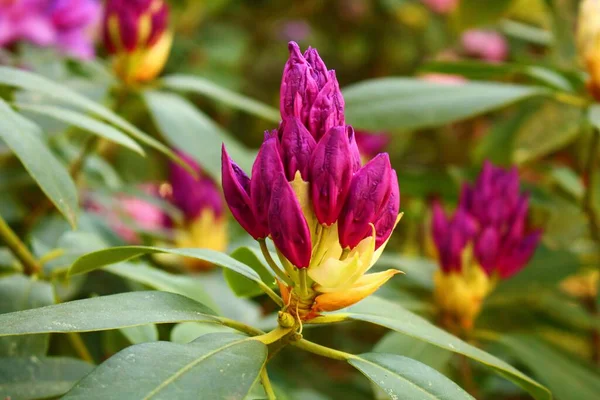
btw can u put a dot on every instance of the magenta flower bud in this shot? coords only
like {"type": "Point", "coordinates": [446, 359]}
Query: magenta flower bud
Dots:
{"type": "Point", "coordinates": [236, 188]}
{"type": "Point", "coordinates": [486, 249]}
{"type": "Point", "coordinates": [386, 221]}
{"type": "Point", "coordinates": [319, 70]}
{"type": "Point", "coordinates": [193, 195]}
{"type": "Point", "coordinates": [516, 257]}
{"type": "Point", "coordinates": [327, 110]}
{"type": "Point", "coordinates": [330, 175]}
{"type": "Point", "coordinates": [131, 24]}
{"type": "Point", "coordinates": [371, 144]}
{"type": "Point", "coordinates": [354, 150]}
{"type": "Point", "coordinates": [265, 170]}
{"type": "Point", "coordinates": [288, 225]}
{"type": "Point", "coordinates": [299, 88]}
{"type": "Point", "coordinates": [296, 148]}
{"type": "Point", "coordinates": [451, 236]}
{"type": "Point", "coordinates": [369, 190]}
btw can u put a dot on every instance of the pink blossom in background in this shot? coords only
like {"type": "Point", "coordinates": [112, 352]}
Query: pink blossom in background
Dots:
{"type": "Point", "coordinates": [445, 79]}
{"type": "Point", "coordinates": [63, 24]}
{"type": "Point", "coordinates": [441, 6]}
{"type": "Point", "coordinates": [296, 29]}
{"type": "Point", "coordinates": [486, 45]}
{"type": "Point", "coordinates": [371, 144]}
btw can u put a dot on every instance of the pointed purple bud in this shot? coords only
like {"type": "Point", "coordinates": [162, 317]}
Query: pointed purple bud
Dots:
{"type": "Point", "coordinates": [236, 187]}
{"type": "Point", "coordinates": [297, 146]}
{"type": "Point", "coordinates": [319, 70]}
{"type": "Point", "coordinates": [513, 262]}
{"type": "Point", "coordinates": [327, 110]}
{"type": "Point", "coordinates": [193, 195]}
{"type": "Point", "coordinates": [384, 225]}
{"type": "Point", "coordinates": [486, 249]}
{"type": "Point", "coordinates": [439, 224]}
{"type": "Point", "coordinates": [354, 150]}
{"type": "Point", "coordinates": [371, 144]}
{"type": "Point", "coordinates": [289, 229]}
{"type": "Point", "coordinates": [298, 86]}
{"type": "Point", "coordinates": [330, 174]}
{"type": "Point", "coordinates": [369, 190]}
{"type": "Point", "coordinates": [266, 168]}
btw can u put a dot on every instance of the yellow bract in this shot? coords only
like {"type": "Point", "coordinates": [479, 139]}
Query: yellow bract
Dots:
{"type": "Point", "coordinates": [588, 42]}
{"type": "Point", "coordinates": [144, 64]}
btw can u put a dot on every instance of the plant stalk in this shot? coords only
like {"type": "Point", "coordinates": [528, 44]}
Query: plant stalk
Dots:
{"type": "Point", "coordinates": [18, 248]}
{"type": "Point", "coordinates": [264, 378]}
{"type": "Point", "coordinates": [80, 347]}
{"type": "Point", "coordinates": [280, 274]}
{"type": "Point", "coordinates": [322, 350]}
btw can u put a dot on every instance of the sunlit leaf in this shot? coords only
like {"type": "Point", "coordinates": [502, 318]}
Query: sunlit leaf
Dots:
{"type": "Point", "coordinates": [219, 366]}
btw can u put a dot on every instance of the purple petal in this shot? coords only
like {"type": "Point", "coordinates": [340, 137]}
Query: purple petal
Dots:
{"type": "Point", "coordinates": [297, 146]}
{"type": "Point", "coordinates": [384, 225]}
{"type": "Point", "coordinates": [327, 110]}
{"type": "Point", "coordinates": [486, 249]}
{"type": "Point", "coordinates": [298, 87]}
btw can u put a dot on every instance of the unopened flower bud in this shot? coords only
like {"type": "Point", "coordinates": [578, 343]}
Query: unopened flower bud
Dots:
{"type": "Point", "coordinates": [297, 145]}
{"type": "Point", "coordinates": [135, 31]}
{"type": "Point", "coordinates": [386, 220]}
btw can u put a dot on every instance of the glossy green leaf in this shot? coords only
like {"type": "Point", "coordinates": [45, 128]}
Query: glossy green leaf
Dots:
{"type": "Point", "coordinates": [39, 377]}
{"type": "Point", "coordinates": [86, 123]}
{"type": "Point", "coordinates": [403, 377]}
{"type": "Point", "coordinates": [216, 366]}
{"type": "Point", "coordinates": [141, 334]}
{"type": "Point", "coordinates": [17, 293]}
{"type": "Point", "coordinates": [161, 280]}
{"type": "Point", "coordinates": [242, 286]}
{"type": "Point", "coordinates": [428, 354]}
{"type": "Point", "coordinates": [187, 332]}
{"type": "Point", "coordinates": [404, 104]}
{"type": "Point", "coordinates": [115, 255]}
{"type": "Point", "coordinates": [553, 126]}
{"type": "Point", "coordinates": [564, 376]}
{"type": "Point", "coordinates": [36, 83]}
{"type": "Point", "coordinates": [187, 128]}
{"type": "Point", "coordinates": [106, 312]}
{"type": "Point", "coordinates": [51, 175]}
{"type": "Point", "coordinates": [393, 316]}
{"type": "Point", "coordinates": [205, 87]}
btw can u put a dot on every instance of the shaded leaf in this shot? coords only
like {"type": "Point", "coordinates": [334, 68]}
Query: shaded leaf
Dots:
{"type": "Point", "coordinates": [51, 175]}
{"type": "Point", "coordinates": [241, 286]}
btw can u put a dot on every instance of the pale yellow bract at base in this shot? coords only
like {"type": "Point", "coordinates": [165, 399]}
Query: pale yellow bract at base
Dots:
{"type": "Point", "coordinates": [143, 65]}
{"type": "Point", "coordinates": [337, 279]}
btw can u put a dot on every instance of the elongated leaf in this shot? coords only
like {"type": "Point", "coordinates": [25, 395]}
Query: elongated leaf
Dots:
{"type": "Point", "coordinates": [403, 103]}
{"type": "Point", "coordinates": [187, 332]}
{"type": "Point", "coordinates": [164, 281]}
{"type": "Point", "coordinates": [565, 377]}
{"type": "Point", "coordinates": [17, 293]}
{"type": "Point", "coordinates": [86, 123]}
{"type": "Point", "coordinates": [114, 255]}
{"type": "Point", "coordinates": [405, 378]}
{"type": "Point", "coordinates": [187, 128]}
{"type": "Point", "coordinates": [428, 354]}
{"type": "Point", "coordinates": [36, 83]}
{"type": "Point", "coordinates": [216, 366]}
{"type": "Point", "coordinates": [393, 316]}
{"type": "Point", "coordinates": [205, 87]}
{"type": "Point", "coordinates": [19, 134]}
{"type": "Point", "coordinates": [141, 334]}
{"type": "Point", "coordinates": [107, 312]}
{"type": "Point", "coordinates": [39, 377]}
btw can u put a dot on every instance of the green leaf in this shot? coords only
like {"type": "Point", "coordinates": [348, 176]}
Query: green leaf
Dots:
{"type": "Point", "coordinates": [402, 377]}
{"type": "Point", "coordinates": [205, 87]}
{"type": "Point", "coordinates": [85, 123]}
{"type": "Point", "coordinates": [393, 316]}
{"type": "Point", "coordinates": [470, 13]}
{"type": "Point", "coordinates": [187, 128]}
{"type": "Point", "coordinates": [566, 378]}
{"type": "Point", "coordinates": [187, 332]}
{"type": "Point", "coordinates": [161, 280]}
{"type": "Point", "coordinates": [405, 104]}
{"type": "Point", "coordinates": [106, 312]}
{"type": "Point", "coordinates": [36, 83]}
{"type": "Point", "coordinates": [39, 377]}
{"type": "Point", "coordinates": [428, 354]}
{"type": "Point", "coordinates": [115, 255]}
{"type": "Point", "coordinates": [23, 137]}
{"type": "Point", "coordinates": [17, 293]}
{"type": "Point", "coordinates": [241, 286]}
{"type": "Point", "coordinates": [218, 366]}
{"type": "Point", "coordinates": [141, 334]}
{"type": "Point", "coordinates": [553, 126]}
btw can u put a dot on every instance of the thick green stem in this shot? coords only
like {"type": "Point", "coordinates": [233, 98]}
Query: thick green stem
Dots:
{"type": "Point", "coordinates": [275, 335]}
{"type": "Point", "coordinates": [274, 296]}
{"type": "Point", "coordinates": [303, 283]}
{"type": "Point", "coordinates": [264, 378]}
{"type": "Point", "coordinates": [280, 274]}
{"type": "Point", "coordinates": [18, 248]}
{"type": "Point", "coordinates": [240, 326]}
{"type": "Point", "coordinates": [322, 350]}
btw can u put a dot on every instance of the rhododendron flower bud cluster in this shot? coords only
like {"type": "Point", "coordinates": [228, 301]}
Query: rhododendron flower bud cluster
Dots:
{"type": "Point", "coordinates": [328, 215]}
{"type": "Point", "coordinates": [486, 239]}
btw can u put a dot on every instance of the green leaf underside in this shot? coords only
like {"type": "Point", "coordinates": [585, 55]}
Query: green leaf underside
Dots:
{"type": "Point", "coordinates": [39, 377]}
{"type": "Point", "coordinates": [235, 100]}
{"type": "Point", "coordinates": [220, 366]}
{"type": "Point", "coordinates": [51, 175]}
{"type": "Point", "coordinates": [115, 255]}
{"type": "Point", "coordinates": [36, 83]}
{"type": "Point", "coordinates": [240, 285]}
{"type": "Point", "coordinates": [404, 378]}
{"type": "Point", "coordinates": [408, 104]}
{"type": "Point", "coordinates": [393, 316]}
{"type": "Point", "coordinates": [186, 127]}
{"type": "Point", "coordinates": [106, 312]}
{"type": "Point", "coordinates": [565, 377]}
{"type": "Point", "coordinates": [85, 123]}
